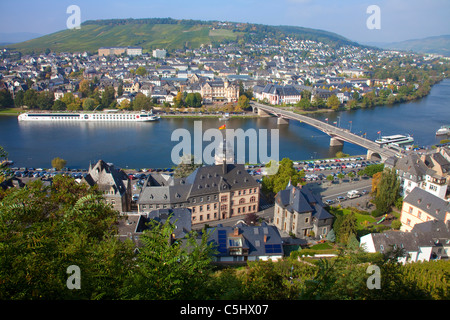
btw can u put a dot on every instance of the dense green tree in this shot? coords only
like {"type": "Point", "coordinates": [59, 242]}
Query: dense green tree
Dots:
{"type": "Point", "coordinates": [372, 169]}
{"type": "Point", "coordinates": [108, 96]}
{"type": "Point", "coordinates": [178, 101]}
{"type": "Point", "coordinates": [345, 226]}
{"type": "Point", "coordinates": [58, 163]}
{"type": "Point", "coordinates": [333, 102]}
{"type": "Point", "coordinates": [272, 184]}
{"type": "Point", "coordinates": [6, 100]}
{"type": "Point", "coordinates": [170, 269]}
{"type": "Point", "coordinates": [387, 191]}
{"type": "Point", "coordinates": [141, 71]}
{"type": "Point", "coordinates": [30, 98]}
{"type": "Point", "coordinates": [89, 104]}
{"type": "Point", "coordinates": [186, 167]}
{"type": "Point", "coordinates": [243, 103]}
{"type": "Point", "coordinates": [193, 100]}
{"type": "Point", "coordinates": [45, 100]}
{"type": "Point", "coordinates": [46, 229]}
{"type": "Point", "coordinates": [59, 105]}
{"type": "Point", "coordinates": [18, 99]}
{"type": "Point", "coordinates": [141, 102]}
{"type": "Point", "coordinates": [318, 102]}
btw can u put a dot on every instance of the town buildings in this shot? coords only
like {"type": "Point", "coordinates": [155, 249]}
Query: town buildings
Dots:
{"type": "Point", "coordinates": [112, 182]}
{"type": "Point", "coordinates": [426, 241]}
{"type": "Point", "coordinates": [132, 225]}
{"type": "Point", "coordinates": [421, 206]}
{"type": "Point", "coordinates": [108, 51]}
{"type": "Point", "coordinates": [276, 94]}
{"type": "Point", "coordinates": [429, 172]}
{"type": "Point", "coordinates": [219, 91]}
{"type": "Point", "coordinates": [159, 53]}
{"type": "Point", "coordinates": [242, 243]}
{"type": "Point", "coordinates": [212, 193]}
{"type": "Point", "coordinates": [300, 212]}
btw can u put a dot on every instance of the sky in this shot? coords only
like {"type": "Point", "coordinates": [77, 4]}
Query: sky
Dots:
{"type": "Point", "coordinates": [398, 19]}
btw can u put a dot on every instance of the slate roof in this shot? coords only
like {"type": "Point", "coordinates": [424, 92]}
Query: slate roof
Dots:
{"type": "Point", "coordinates": [435, 228]}
{"type": "Point", "coordinates": [181, 217]}
{"type": "Point", "coordinates": [412, 165]}
{"type": "Point", "coordinates": [302, 200]}
{"type": "Point", "coordinates": [427, 202]}
{"type": "Point", "coordinates": [252, 239]}
{"type": "Point", "coordinates": [204, 180]}
{"type": "Point", "coordinates": [406, 240]}
{"type": "Point", "coordinates": [106, 176]}
{"type": "Point", "coordinates": [281, 90]}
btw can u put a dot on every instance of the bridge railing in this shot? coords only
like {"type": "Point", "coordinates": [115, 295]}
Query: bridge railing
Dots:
{"type": "Point", "coordinates": [329, 129]}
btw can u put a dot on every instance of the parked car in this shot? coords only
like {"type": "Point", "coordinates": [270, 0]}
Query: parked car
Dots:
{"type": "Point", "coordinates": [340, 198]}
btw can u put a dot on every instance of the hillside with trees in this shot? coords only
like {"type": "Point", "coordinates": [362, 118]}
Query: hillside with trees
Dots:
{"type": "Point", "coordinates": [167, 33]}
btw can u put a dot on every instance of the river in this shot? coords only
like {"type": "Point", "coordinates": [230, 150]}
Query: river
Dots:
{"type": "Point", "coordinates": [149, 145]}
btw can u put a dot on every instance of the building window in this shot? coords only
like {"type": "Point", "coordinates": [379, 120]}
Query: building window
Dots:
{"type": "Point", "coordinates": [419, 215]}
{"type": "Point", "coordinates": [223, 199]}
{"type": "Point", "coordinates": [253, 199]}
{"type": "Point", "coordinates": [408, 222]}
{"type": "Point", "coordinates": [223, 207]}
{"type": "Point", "coordinates": [241, 201]}
{"type": "Point", "coordinates": [306, 220]}
{"type": "Point", "coordinates": [410, 209]}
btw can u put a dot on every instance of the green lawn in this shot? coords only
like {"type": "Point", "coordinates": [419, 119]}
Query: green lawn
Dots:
{"type": "Point", "coordinates": [362, 220]}
{"type": "Point", "coordinates": [10, 111]}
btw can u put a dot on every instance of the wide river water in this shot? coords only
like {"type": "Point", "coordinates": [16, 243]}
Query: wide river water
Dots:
{"type": "Point", "coordinates": [149, 145]}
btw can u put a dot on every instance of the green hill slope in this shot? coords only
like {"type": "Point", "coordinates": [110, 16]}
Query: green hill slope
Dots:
{"type": "Point", "coordinates": [436, 45]}
{"type": "Point", "coordinates": [164, 33]}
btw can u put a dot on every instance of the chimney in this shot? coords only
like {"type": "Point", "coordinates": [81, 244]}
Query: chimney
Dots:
{"type": "Point", "coordinates": [224, 166]}
{"type": "Point", "coordinates": [265, 238]}
{"type": "Point", "coordinates": [236, 231]}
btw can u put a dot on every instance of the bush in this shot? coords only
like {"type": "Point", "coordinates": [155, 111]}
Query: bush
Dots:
{"type": "Point", "coordinates": [396, 224]}
{"type": "Point", "coordinates": [377, 213]}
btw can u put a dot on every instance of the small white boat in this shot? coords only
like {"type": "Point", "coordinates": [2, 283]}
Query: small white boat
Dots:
{"type": "Point", "coordinates": [444, 130]}
{"type": "Point", "coordinates": [225, 117]}
{"type": "Point", "coordinates": [398, 139]}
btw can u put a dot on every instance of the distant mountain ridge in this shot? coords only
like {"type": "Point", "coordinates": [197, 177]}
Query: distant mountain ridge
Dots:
{"type": "Point", "coordinates": [15, 37]}
{"type": "Point", "coordinates": [167, 33]}
{"type": "Point", "coordinates": [435, 45]}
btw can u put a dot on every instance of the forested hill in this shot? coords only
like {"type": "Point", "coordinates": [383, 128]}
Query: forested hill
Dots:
{"type": "Point", "coordinates": [168, 33]}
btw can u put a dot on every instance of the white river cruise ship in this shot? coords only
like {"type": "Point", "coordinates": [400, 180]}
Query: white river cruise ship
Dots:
{"type": "Point", "coordinates": [142, 116]}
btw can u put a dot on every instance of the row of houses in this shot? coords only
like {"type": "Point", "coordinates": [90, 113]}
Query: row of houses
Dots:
{"type": "Point", "coordinates": [424, 234]}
